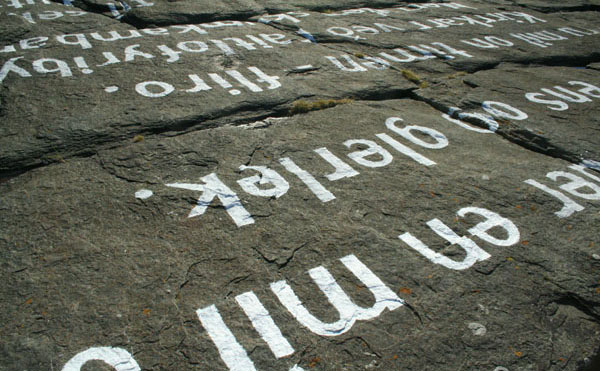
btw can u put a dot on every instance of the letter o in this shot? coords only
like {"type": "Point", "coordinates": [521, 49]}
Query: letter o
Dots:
{"type": "Point", "coordinates": [142, 89]}
{"type": "Point", "coordinates": [406, 132]}
{"type": "Point", "coordinates": [344, 32]}
{"type": "Point", "coordinates": [118, 358]}
{"type": "Point", "coordinates": [514, 113]}
{"type": "Point", "coordinates": [202, 47]}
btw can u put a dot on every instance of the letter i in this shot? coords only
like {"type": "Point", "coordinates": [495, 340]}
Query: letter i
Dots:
{"type": "Point", "coordinates": [80, 62]}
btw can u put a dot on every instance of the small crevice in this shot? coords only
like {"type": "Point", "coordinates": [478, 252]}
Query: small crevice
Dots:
{"type": "Point", "coordinates": [514, 134]}
{"type": "Point", "coordinates": [563, 9]}
{"type": "Point", "coordinates": [414, 311]}
{"type": "Point", "coordinates": [587, 307]}
{"type": "Point", "coordinates": [591, 363]}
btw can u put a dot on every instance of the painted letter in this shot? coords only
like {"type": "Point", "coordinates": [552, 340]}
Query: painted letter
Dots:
{"type": "Point", "coordinates": [575, 184]}
{"type": "Point", "coordinates": [118, 358]}
{"type": "Point", "coordinates": [348, 311]}
{"type": "Point", "coordinates": [514, 114]}
{"type": "Point", "coordinates": [212, 188]}
{"type": "Point", "coordinates": [79, 39]}
{"type": "Point", "coordinates": [61, 66]}
{"type": "Point", "coordinates": [315, 187]}
{"type": "Point", "coordinates": [440, 139]}
{"type": "Point", "coordinates": [267, 176]}
{"type": "Point", "coordinates": [555, 105]}
{"type": "Point", "coordinates": [9, 66]}
{"type": "Point", "coordinates": [473, 252]}
{"type": "Point", "coordinates": [264, 324]}
{"type": "Point", "coordinates": [231, 352]}
{"type": "Point", "coordinates": [492, 220]}
{"type": "Point", "coordinates": [569, 206]}
{"type": "Point", "coordinates": [342, 169]}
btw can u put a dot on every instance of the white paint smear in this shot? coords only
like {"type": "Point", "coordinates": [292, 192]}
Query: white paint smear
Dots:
{"type": "Point", "coordinates": [477, 328]}
{"type": "Point", "coordinates": [143, 194]}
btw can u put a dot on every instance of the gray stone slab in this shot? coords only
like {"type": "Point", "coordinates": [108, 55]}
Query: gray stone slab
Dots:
{"type": "Point", "coordinates": [102, 251]}
{"type": "Point", "coordinates": [104, 89]}
{"type": "Point", "coordinates": [65, 76]}
{"type": "Point", "coordinates": [299, 185]}
{"type": "Point", "coordinates": [550, 109]}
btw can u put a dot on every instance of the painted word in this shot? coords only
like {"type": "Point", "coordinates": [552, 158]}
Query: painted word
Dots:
{"type": "Point", "coordinates": [584, 94]}
{"type": "Point", "coordinates": [576, 186]}
{"type": "Point", "coordinates": [18, 4]}
{"type": "Point", "coordinates": [130, 53]}
{"type": "Point", "coordinates": [354, 32]}
{"type": "Point", "coordinates": [539, 38]}
{"type": "Point", "coordinates": [84, 40]}
{"type": "Point", "coordinates": [485, 20]}
{"type": "Point", "coordinates": [493, 110]}
{"type": "Point", "coordinates": [48, 15]}
{"type": "Point", "coordinates": [157, 89]}
{"type": "Point", "coordinates": [235, 356]}
{"type": "Point", "coordinates": [473, 253]}
{"type": "Point", "coordinates": [412, 53]}
{"type": "Point", "coordinates": [542, 38]}
{"type": "Point", "coordinates": [420, 6]}
{"type": "Point", "coordinates": [274, 185]}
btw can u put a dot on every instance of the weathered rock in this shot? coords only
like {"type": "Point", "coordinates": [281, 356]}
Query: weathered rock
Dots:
{"type": "Point", "coordinates": [299, 185]}
{"type": "Point", "coordinates": [553, 110]}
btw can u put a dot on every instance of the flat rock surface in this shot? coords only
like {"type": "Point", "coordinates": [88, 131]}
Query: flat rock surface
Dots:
{"type": "Point", "coordinates": [194, 185]}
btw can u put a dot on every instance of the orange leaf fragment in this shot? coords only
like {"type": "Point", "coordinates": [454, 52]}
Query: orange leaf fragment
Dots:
{"type": "Point", "coordinates": [518, 354]}
{"type": "Point", "coordinates": [518, 206]}
{"type": "Point", "coordinates": [29, 301]}
{"type": "Point", "coordinates": [147, 311]}
{"type": "Point", "coordinates": [313, 362]}
{"type": "Point", "coordinates": [525, 243]}
{"type": "Point", "coordinates": [406, 290]}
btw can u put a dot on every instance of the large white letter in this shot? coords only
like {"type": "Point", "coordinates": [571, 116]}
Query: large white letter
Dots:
{"type": "Point", "coordinates": [118, 358]}
{"type": "Point", "coordinates": [373, 149]}
{"type": "Point", "coordinates": [473, 252]}
{"type": "Point", "coordinates": [214, 187]}
{"type": "Point", "coordinates": [349, 312]}
{"type": "Point", "coordinates": [280, 185]}
{"type": "Point", "coordinates": [492, 220]}
{"type": "Point", "coordinates": [231, 352]}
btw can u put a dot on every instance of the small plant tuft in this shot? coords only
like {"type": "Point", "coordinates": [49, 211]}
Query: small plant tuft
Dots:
{"type": "Point", "coordinates": [411, 76]}
{"type": "Point", "coordinates": [138, 138]}
{"type": "Point", "coordinates": [302, 106]}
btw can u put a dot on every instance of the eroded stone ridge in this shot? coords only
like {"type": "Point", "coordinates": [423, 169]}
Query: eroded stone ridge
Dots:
{"type": "Point", "coordinates": [258, 185]}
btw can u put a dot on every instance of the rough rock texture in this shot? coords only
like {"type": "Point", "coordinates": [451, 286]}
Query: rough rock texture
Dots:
{"type": "Point", "coordinates": [328, 185]}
